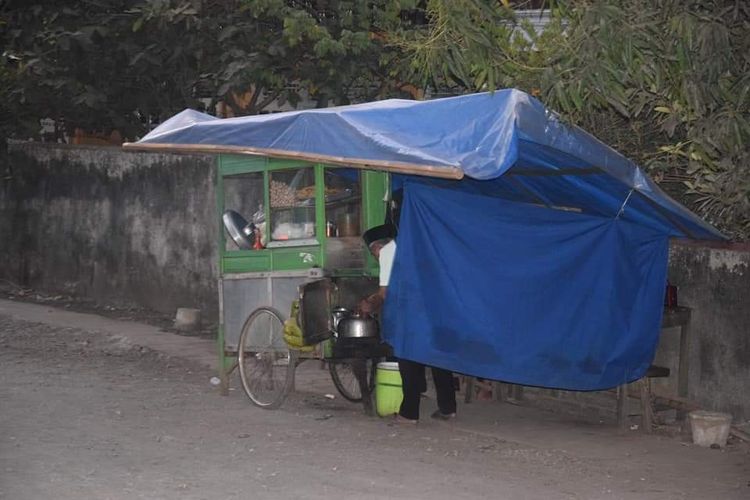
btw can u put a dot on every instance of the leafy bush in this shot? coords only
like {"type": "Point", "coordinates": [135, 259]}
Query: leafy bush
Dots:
{"type": "Point", "coordinates": [666, 82]}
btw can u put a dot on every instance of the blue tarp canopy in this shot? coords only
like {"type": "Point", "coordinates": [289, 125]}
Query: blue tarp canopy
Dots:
{"type": "Point", "coordinates": [528, 250]}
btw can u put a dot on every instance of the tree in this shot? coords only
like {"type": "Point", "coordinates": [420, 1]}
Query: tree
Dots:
{"type": "Point", "coordinates": [67, 63]}
{"type": "Point", "coordinates": [666, 82]}
{"type": "Point", "coordinates": [114, 64]}
{"type": "Point", "coordinates": [330, 49]}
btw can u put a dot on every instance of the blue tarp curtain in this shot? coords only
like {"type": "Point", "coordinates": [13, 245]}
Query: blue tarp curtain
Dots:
{"type": "Point", "coordinates": [523, 294]}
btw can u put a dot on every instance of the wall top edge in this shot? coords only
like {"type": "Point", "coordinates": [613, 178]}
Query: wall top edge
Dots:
{"type": "Point", "coordinates": [19, 145]}
{"type": "Point", "coordinates": [743, 246]}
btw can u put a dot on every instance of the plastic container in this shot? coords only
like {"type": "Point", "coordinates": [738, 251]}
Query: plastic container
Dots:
{"type": "Point", "coordinates": [710, 428]}
{"type": "Point", "coordinates": [388, 388]}
{"type": "Point", "coordinates": [187, 319]}
{"type": "Point", "coordinates": [327, 346]}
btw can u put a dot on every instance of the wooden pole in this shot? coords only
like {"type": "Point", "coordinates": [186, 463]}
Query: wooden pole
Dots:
{"type": "Point", "coordinates": [449, 172]}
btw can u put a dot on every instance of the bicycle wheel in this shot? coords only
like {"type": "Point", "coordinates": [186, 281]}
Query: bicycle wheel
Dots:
{"type": "Point", "coordinates": [346, 382]}
{"type": "Point", "coordinates": [265, 361]}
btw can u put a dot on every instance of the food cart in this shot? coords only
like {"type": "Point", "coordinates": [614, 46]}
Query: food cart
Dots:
{"type": "Point", "coordinates": [290, 224]}
{"type": "Point", "coordinates": [528, 250]}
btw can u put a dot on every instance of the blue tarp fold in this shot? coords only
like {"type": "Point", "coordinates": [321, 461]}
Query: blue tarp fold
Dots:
{"type": "Point", "coordinates": [486, 136]}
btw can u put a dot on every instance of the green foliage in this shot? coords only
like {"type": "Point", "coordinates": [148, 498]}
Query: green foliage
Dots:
{"type": "Point", "coordinates": [667, 82]}
{"type": "Point", "coordinates": [117, 64]}
{"type": "Point", "coordinates": [61, 58]}
{"type": "Point", "coordinates": [332, 47]}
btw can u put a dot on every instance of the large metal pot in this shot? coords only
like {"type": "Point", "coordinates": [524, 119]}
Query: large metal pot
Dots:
{"type": "Point", "coordinates": [355, 326]}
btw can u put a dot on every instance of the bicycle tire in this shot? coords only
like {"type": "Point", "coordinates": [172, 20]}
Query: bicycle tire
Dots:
{"type": "Point", "coordinates": [345, 381]}
{"type": "Point", "coordinates": [266, 364]}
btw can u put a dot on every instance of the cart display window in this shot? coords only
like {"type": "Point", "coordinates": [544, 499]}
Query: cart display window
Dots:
{"type": "Point", "coordinates": [292, 206]}
{"type": "Point", "coordinates": [343, 202]}
{"type": "Point", "coordinates": [243, 193]}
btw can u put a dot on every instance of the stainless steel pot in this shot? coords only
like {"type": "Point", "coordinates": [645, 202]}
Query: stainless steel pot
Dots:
{"type": "Point", "coordinates": [355, 326]}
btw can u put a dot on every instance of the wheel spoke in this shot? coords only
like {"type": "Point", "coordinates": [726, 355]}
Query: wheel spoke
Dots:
{"type": "Point", "coordinates": [266, 364]}
{"type": "Point", "coordinates": [346, 381]}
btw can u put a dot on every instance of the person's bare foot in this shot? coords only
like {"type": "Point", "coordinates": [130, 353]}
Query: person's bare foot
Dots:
{"type": "Point", "coordinates": [399, 420]}
{"type": "Point", "coordinates": [438, 415]}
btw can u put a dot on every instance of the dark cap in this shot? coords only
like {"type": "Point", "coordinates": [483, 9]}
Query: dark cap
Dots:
{"type": "Point", "coordinates": [379, 233]}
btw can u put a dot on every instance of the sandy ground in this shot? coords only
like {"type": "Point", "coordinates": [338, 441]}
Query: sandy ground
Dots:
{"type": "Point", "coordinates": [86, 415]}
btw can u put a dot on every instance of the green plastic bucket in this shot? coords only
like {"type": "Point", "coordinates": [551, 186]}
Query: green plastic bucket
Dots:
{"type": "Point", "coordinates": [388, 392]}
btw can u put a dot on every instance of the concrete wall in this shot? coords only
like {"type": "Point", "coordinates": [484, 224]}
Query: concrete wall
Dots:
{"type": "Point", "coordinates": [112, 225]}
{"type": "Point", "coordinates": [142, 228]}
{"type": "Point", "coordinates": [715, 283]}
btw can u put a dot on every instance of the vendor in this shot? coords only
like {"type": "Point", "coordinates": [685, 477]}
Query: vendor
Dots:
{"type": "Point", "coordinates": [381, 243]}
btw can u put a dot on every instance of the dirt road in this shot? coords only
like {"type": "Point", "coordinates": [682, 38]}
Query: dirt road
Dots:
{"type": "Point", "coordinates": [84, 415]}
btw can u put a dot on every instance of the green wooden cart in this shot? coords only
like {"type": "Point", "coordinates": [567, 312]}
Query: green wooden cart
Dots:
{"type": "Point", "coordinates": [302, 224]}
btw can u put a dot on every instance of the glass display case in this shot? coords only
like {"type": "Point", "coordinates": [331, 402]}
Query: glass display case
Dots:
{"type": "Point", "coordinates": [305, 215]}
{"type": "Point", "coordinates": [343, 202]}
{"type": "Point", "coordinates": [243, 194]}
{"type": "Point", "coordinates": [292, 206]}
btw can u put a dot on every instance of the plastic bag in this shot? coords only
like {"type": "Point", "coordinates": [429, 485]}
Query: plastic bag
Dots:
{"type": "Point", "coordinates": [259, 215]}
{"type": "Point", "coordinates": [293, 333]}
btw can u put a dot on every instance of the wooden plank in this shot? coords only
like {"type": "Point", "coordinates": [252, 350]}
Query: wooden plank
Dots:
{"type": "Point", "coordinates": [739, 434]}
{"type": "Point", "coordinates": [678, 403]}
{"type": "Point", "coordinates": [622, 407]}
{"type": "Point", "coordinates": [647, 412]}
{"type": "Point", "coordinates": [447, 172]}
{"type": "Point", "coordinates": [468, 388]}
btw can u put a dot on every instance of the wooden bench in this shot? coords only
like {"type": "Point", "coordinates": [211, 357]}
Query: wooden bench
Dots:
{"type": "Point", "coordinates": [472, 385]}
{"type": "Point", "coordinates": [515, 392]}
{"type": "Point", "coordinates": [645, 396]}
{"type": "Point", "coordinates": [677, 316]}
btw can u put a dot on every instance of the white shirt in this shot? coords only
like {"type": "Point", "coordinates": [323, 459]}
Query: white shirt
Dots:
{"type": "Point", "coordinates": [387, 253]}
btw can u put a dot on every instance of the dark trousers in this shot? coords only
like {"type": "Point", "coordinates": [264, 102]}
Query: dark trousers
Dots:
{"type": "Point", "coordinates": [413, 381]}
